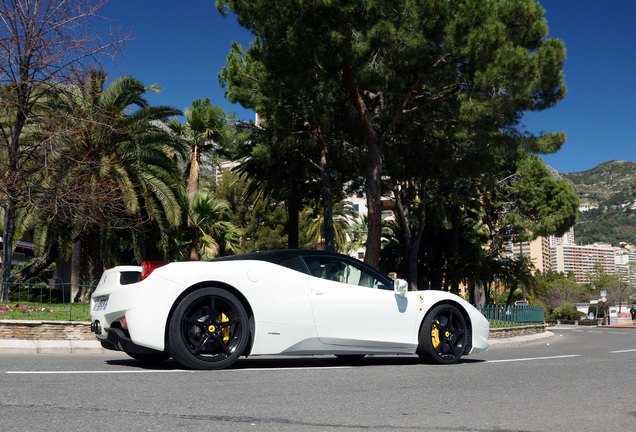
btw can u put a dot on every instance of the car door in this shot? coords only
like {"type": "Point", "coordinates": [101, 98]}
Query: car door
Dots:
{"type": "Point", "coordinates": [353, 306]}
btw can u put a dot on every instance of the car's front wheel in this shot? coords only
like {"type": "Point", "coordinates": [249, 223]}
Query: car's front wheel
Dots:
{"type": "Point", "coordinates": [208, 329]}
{"type": "Point", "coordinates": [442, 337]}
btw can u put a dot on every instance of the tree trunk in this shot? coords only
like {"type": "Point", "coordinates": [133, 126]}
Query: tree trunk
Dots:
{"type": "Point", "coordinates": [193, 177]}
{"type": "Point", "coordinates": [7, 248]}
{"type": "Point", "coordinates": [194, 243]}
{"type": "Point", "coordinates": [374, 165]}
{"type": "Point", "coordinates": [327, 198]}
{"type": "Point", "coordinates": [374, 205]}
{"type": "Point", "coordinates": [91, 253]}
{"type": "Point", "coordinates": [42, 262]}
{"type": "Point", "coordinates": [293, 207]}
{"type": "Point", "coordinates": [76, 266]}
{"type": "Point", "coordinates": [410, 240]}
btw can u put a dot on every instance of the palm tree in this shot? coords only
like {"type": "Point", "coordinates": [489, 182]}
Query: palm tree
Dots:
{"type": "Point", "coordinates": [213, 233]}
{"type": "Point", "coordinates": [343, 216]}
{"type": "Point", "coordinates": [121, 161]}
{"type": "Point", "coordinates": [204, 128]}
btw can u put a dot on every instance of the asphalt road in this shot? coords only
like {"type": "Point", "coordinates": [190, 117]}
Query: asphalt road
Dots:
{"type": "Point", "coordinates": [582, 379]}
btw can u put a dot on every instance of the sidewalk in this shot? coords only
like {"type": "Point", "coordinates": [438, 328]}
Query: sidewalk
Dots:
{"type": "Point", "coordinates": [520, 340]}
{"type": "Point", "coordinates": [51, 346]}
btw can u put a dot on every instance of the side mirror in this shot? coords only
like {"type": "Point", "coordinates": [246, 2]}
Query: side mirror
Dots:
{"type": "Point", "coordinates": [400, 287]}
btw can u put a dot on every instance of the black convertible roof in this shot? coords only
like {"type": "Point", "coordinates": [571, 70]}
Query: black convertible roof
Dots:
{"type": "Point", "coordinates": [277, 256]}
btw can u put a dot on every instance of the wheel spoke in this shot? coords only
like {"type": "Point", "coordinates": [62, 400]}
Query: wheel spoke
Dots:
{"type": "Point", "coordinates": [457, 347]}
{"type": "Point", "coordinates": [204, 340]}
{"type": "Point", "coordinates": [439, 326]}
{"type": "Point", "coordinates": [213, 311]}
{"type": "Point", "coordinates": [225, 324]}
{"type": "Point", "coordinates": [219, 342]}
{"type": "Point", "coordinates": [194, 322]}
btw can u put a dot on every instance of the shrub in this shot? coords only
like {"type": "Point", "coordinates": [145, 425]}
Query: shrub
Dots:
{"type": "Point", "coordinates": [567, 311]}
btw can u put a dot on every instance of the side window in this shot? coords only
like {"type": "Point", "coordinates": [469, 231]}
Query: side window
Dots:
{"type": "Point", "coordinates": [294, 263]}
{"type": "Point", "coordinates": [335, 269]}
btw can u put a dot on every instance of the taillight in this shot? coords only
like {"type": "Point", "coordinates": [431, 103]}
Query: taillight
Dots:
{"type": "Point", "coordinates": [148, 267]}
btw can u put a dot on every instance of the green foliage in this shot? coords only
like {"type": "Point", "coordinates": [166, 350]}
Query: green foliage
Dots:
{"type": "Point", "coordinates": [263, 222]}
{"type": "Point", "coordinates": [554, 289]}
{"type": "Point", "coordinates": [544, 206]}
{"type": "Point", "coordinates": [566, 311]}
{"type": "Point", "coordinates": [444, 84]}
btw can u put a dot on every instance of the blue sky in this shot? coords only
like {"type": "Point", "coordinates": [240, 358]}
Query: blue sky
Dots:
{"type": "Point", "coordinates": [182, 45]}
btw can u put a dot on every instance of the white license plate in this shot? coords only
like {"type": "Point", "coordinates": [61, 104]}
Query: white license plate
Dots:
{"type": "Point", "coordinates": [100, 304]}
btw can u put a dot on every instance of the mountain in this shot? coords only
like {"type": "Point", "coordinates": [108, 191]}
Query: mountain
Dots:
{"type": "Point", "coordinates": [609, 190]}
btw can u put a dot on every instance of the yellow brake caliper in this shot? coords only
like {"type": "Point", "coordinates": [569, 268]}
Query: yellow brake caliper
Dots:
{"type": "Point", "coordinates": [435, 335]}
{"type": "Point", "coordinates": [225, 332]}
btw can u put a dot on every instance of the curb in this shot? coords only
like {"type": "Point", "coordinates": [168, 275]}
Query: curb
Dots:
{"type": "Point", "coordinates": [520, 340]}
{"type": "Point", "coordinates": [32, 346]}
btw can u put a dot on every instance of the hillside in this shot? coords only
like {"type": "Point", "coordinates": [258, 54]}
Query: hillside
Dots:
{"type": "Point", "coordinates": [611, 187]}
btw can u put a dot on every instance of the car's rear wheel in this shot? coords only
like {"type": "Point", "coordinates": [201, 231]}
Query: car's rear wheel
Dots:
{"type": "Point", "coordinates": [208, 330]}
{"type": "Point", "coordinates": [442, 337]}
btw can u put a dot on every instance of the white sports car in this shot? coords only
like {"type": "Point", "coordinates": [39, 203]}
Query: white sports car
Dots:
{"type": "Point", "coordinates": [206, 314]}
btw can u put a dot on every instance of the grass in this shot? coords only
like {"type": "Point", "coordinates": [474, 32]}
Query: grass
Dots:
{"type": "Point", "coordinates": [38, 311]}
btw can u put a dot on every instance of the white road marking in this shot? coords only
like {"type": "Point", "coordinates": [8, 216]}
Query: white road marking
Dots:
{"type": "Point", "coordinates": [88, 372]}
{"type": "Point", "coordinates": [92, 372]}
{"type": "Point", "coordinates": [532, 358]}
{"type": "Point", "coordinates": [623, 351]}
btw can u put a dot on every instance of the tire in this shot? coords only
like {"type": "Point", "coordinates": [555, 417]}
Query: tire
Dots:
{"type": "Point", "coordinates": [442, 337]}
{"type": "Point", "coordinates": [150, 358]}
{"type": "Point", "coordinates": [208, 330]}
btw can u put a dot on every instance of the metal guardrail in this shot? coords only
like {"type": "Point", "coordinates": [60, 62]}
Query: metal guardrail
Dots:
{"type": "Point", "coordinates": [44, 301]}
{"type": "Point", "coordinates": [506, 315]}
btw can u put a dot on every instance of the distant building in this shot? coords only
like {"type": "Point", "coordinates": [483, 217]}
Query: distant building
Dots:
{"type": "Point", "coordinates": [23, 252]}
{"type": "Point", "coordinates": [587, 207]}
{"type": "Point", "coordinates": [223, 168]}
{"type": "Point", "coordinates": [561, 254]}
{"type": "Point", "coordinates": [582, 259]}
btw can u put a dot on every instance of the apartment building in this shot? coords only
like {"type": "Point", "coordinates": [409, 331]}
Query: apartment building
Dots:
{"type": "Point", "coordinates": [561, 254]}
{"type": "Point", "coordinates": [582, 259]}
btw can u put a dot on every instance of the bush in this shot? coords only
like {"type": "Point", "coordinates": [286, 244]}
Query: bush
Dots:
{"type": "Point", "coordinates": [38, 294]}
{"type": "Point", "coordinates": [567, 311]}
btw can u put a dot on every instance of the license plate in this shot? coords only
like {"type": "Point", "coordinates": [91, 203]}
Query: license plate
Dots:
{"type": "Point", "coordinates": [100, 304]}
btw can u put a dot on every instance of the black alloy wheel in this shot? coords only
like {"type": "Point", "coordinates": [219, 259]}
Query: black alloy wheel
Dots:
{"type": "Point", "coordinates": [208, 330]}
{"type": "Point", "coordinates": [442, 337]}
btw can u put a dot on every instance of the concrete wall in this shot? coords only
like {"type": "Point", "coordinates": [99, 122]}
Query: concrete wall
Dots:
{"type": "Point", "coordinates": [45, 330]}
{"type": "Point", "coordinates": [506, 332]}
